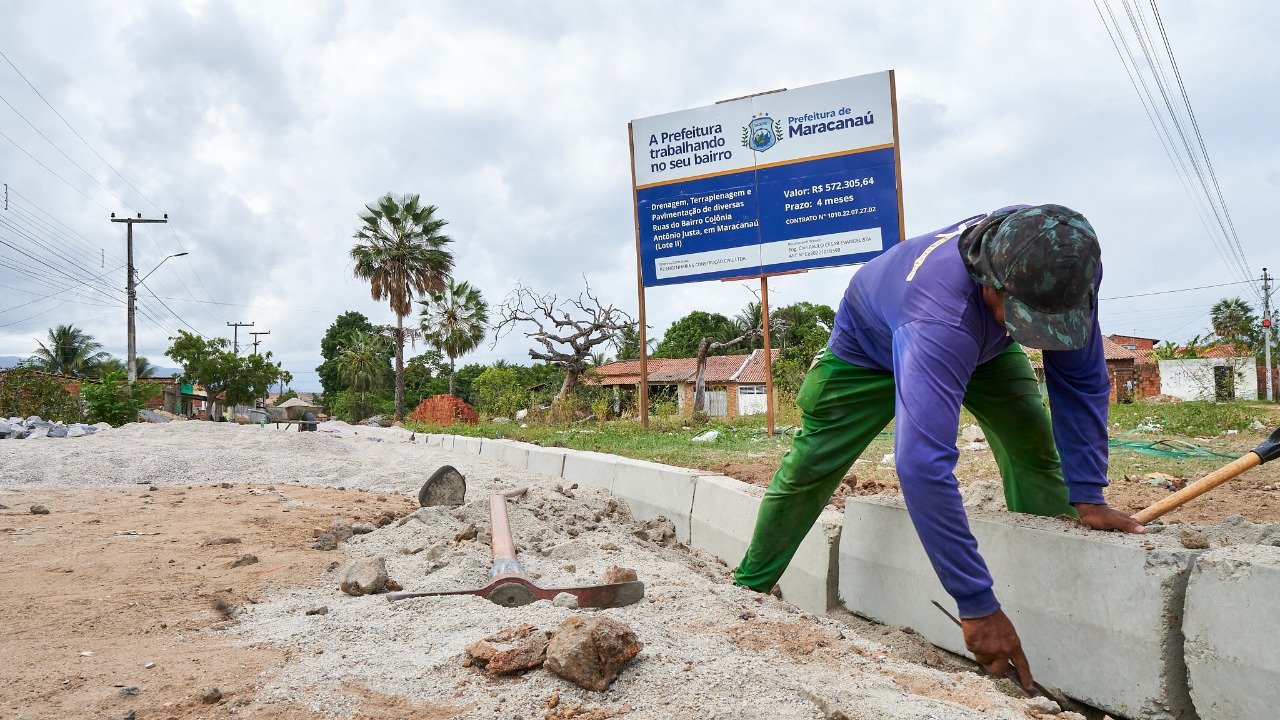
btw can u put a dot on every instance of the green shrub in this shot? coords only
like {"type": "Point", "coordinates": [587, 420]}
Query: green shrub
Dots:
{"type": "Point", "coordinates": [498, 392]}
{"type": "Point", "coordinates": [112, 400]}
{"type": "Point", "coordinates": [25, 392]}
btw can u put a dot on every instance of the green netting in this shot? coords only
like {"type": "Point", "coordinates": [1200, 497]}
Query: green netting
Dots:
{"type": "Point", "coordinates": [1179, 449]}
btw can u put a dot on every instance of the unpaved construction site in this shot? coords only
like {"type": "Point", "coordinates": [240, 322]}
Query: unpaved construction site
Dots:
{"type": "Point", "coordinates": [179, 571]}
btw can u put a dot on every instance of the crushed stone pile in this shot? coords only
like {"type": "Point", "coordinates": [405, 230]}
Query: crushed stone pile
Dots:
{"type": "Point", "coordinates": [35, 428]}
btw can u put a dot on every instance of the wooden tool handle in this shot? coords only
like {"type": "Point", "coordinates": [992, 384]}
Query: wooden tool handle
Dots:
{"type": "Point", "coordinates": [504, 548]}
{"type": "Point", "coordinates": [1203, 485]}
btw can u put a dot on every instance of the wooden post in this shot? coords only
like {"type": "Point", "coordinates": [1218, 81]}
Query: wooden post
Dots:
{"type": "Point", "coordinates": [768, 355]}
{"type": "Point", "coordinates": [643, 400]}
{"type": "Point", "coordinates": [897, 155]}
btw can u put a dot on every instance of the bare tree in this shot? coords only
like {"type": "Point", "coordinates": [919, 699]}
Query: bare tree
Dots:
{"type": "Point", "coordinates": [568, 341]}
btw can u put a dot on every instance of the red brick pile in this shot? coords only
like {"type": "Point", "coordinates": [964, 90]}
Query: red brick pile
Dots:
{"type": "Point", "coordinates": [444, 410]}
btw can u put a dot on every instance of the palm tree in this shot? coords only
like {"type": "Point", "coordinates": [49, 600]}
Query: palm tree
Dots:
{"type": "Point", "coordinates": [402, 251]}
{"type": "Point", "coordinates": [70, 351]}
{"type": "Point", "coordinates": [1234, 322]}
{"type": "Point", "coordinates": [111, 363]}
{"type": "Point", "coordinates": [362, 362]}
{"type": "Point", "coordinates": [454, 321]}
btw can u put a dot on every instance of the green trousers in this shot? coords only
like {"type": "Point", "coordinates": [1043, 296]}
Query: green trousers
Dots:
{"type": "Point", "coordinates": [844, 407]}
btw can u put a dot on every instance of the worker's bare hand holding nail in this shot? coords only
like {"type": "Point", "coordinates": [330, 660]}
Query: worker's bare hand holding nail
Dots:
{"type": "Point", "coordinates": [1102, 517]}
{"type": "Point", "coordinates": [995, 645]}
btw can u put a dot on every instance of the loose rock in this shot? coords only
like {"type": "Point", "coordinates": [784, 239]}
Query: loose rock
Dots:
{"type": "Point", "coordinates": [362, 528]}
{"type": "Point", "coordinates": [327, 541]}
{"type": "Point", "coordinates": [591, 651]}
{"type": "Point", "coordinates": [519, 648]}
{"type": "Point", "coordinates": [565, 600]}
{"type": "Point", "coordinates": [467, 533]}
{"type": "Point", "coordinates": [211, 696]}
{"type": "Point", "coordinates": [615, 574]}
{"type": "Point", "coordinates": [364, 576]}
{"type": "Point", "coordinates": [340, 529]}
{"type": "Point", "coordinates": [246, 559]}
{"type": "Point", "coordinates": [322, 610]}
{"type": "Point", "coordinates": [1193, 539]}
{"type": "Point", "coordinates": [39, 510]}
{"type": "Point", "coordinates": [1043, 705]}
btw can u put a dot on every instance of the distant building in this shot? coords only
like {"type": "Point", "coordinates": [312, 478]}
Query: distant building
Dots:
{"type": "Point", "coordinates": [734, 384]}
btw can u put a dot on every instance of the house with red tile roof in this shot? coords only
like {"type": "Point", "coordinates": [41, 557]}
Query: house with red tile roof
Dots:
{"type": "Point", "coordinates": [735, 384]}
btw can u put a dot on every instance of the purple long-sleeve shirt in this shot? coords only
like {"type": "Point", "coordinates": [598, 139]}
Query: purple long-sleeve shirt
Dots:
{"type": "Point", "coordinates": [914, 311]}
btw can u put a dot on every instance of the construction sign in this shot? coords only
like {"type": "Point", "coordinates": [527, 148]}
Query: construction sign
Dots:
{"type": "Point", "coordinates": [770, 183]}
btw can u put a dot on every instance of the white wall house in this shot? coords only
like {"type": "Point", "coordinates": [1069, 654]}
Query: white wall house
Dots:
{"type": "Point", "coordinates": [1210, 378]}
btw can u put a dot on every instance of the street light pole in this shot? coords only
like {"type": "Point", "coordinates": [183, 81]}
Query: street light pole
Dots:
{"type": "Point", "coordinates": [130, 287]}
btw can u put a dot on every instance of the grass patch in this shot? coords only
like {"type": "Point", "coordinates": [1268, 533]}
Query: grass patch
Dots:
{"type": "Point", "coordinates": [1194, 418]}
{"type": "Point", "coordinates": [667, 440]}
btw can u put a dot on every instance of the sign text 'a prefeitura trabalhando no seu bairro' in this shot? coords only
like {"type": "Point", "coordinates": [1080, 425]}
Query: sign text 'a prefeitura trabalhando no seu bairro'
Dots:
{"type": "Point", "coordinates": [768, 184]}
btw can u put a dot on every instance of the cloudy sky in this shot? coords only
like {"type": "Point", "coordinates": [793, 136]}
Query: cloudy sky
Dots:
{"type": "Point", "coordinates": [262, 128]}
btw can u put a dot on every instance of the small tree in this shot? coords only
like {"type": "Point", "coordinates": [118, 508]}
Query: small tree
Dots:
{"type": "Point", "coordinates": [498, 391]}
{"type": "Point", "coordinates": [205, 361]}
{"type": "Point", "coordinates": [567, 341]}
{"type": "Point", "coordinates": [454, 321]}
{"type": "Point", "coordinates": [363, 363]}
{"type": "Point", "coordinates": [113, 400]}
{"type": "Point", "coordinates": [681, 340]}
{"type": "Point", "coordinates": [331, 345]}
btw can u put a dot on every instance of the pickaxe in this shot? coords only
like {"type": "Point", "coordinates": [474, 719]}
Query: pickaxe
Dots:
{"type": "Point", "coordinates": [511, 585]}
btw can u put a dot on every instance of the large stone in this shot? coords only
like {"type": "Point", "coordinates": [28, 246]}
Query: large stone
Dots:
{"type": "Point", "coordinates": [364, 576]}
{"type": "Point", "coordinates": [519, 648]}
{"type": "Point", "coordinates": [75, 431]}
{"type": "Point", "coordinates": [591, 651]}
{"type": "Point", "coordinates": [446, 487]}
{"type": "Point", "coordinates": [58, 431]}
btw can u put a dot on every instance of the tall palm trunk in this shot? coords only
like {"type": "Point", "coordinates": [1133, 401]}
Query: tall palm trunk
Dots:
{"type": "Point", "coordinates": [399, 368]}
{"type": "Point", "coordinates": [452, 373]}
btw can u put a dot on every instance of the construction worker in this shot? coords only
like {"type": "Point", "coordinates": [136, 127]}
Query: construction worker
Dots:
{"type": "Point", "coordinates": [930, 326]}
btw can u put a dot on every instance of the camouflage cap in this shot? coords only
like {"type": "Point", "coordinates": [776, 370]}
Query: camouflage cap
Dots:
{"type": "Point", "coordinates": [1045, 259]}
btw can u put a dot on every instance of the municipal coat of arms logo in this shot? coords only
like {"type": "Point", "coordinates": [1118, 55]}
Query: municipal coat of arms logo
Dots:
{"type": "Point", "coordinates": [763, 133]}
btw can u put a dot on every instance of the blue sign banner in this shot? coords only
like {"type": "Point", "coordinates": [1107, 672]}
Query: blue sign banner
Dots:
{"type": "Point", "coordinates": [770, 184]}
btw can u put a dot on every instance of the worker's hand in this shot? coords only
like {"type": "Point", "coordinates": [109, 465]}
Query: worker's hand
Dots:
{"type": "Point", "coordinates": [1102, 517]}
{"type": "Point", "coordinates": [995, 644]}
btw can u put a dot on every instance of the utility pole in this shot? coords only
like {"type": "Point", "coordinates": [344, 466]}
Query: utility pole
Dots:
{"type": "Point", "coordinates": [1266, 330]}
{"type": "Point", "coordinates": [130, 286]}
{"type": "Point", "coordinates": [235, 335]}
{"type": "Point", "coordinates": [256, 340]}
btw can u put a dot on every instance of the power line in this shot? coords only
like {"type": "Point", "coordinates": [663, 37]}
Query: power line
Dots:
{"type": "Point", "coordinates": [63, 152]}
{"type": "Point", "coordinates": [1173, 136]}
{"type": "Point", "coordinates": [118, 174]}
{"type": "Point", "coordinates": [77, 134]}
{"type": "Point", "coordinates": [51, 172]}
{"type": "Point", "coordinates": [1166, 292]}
